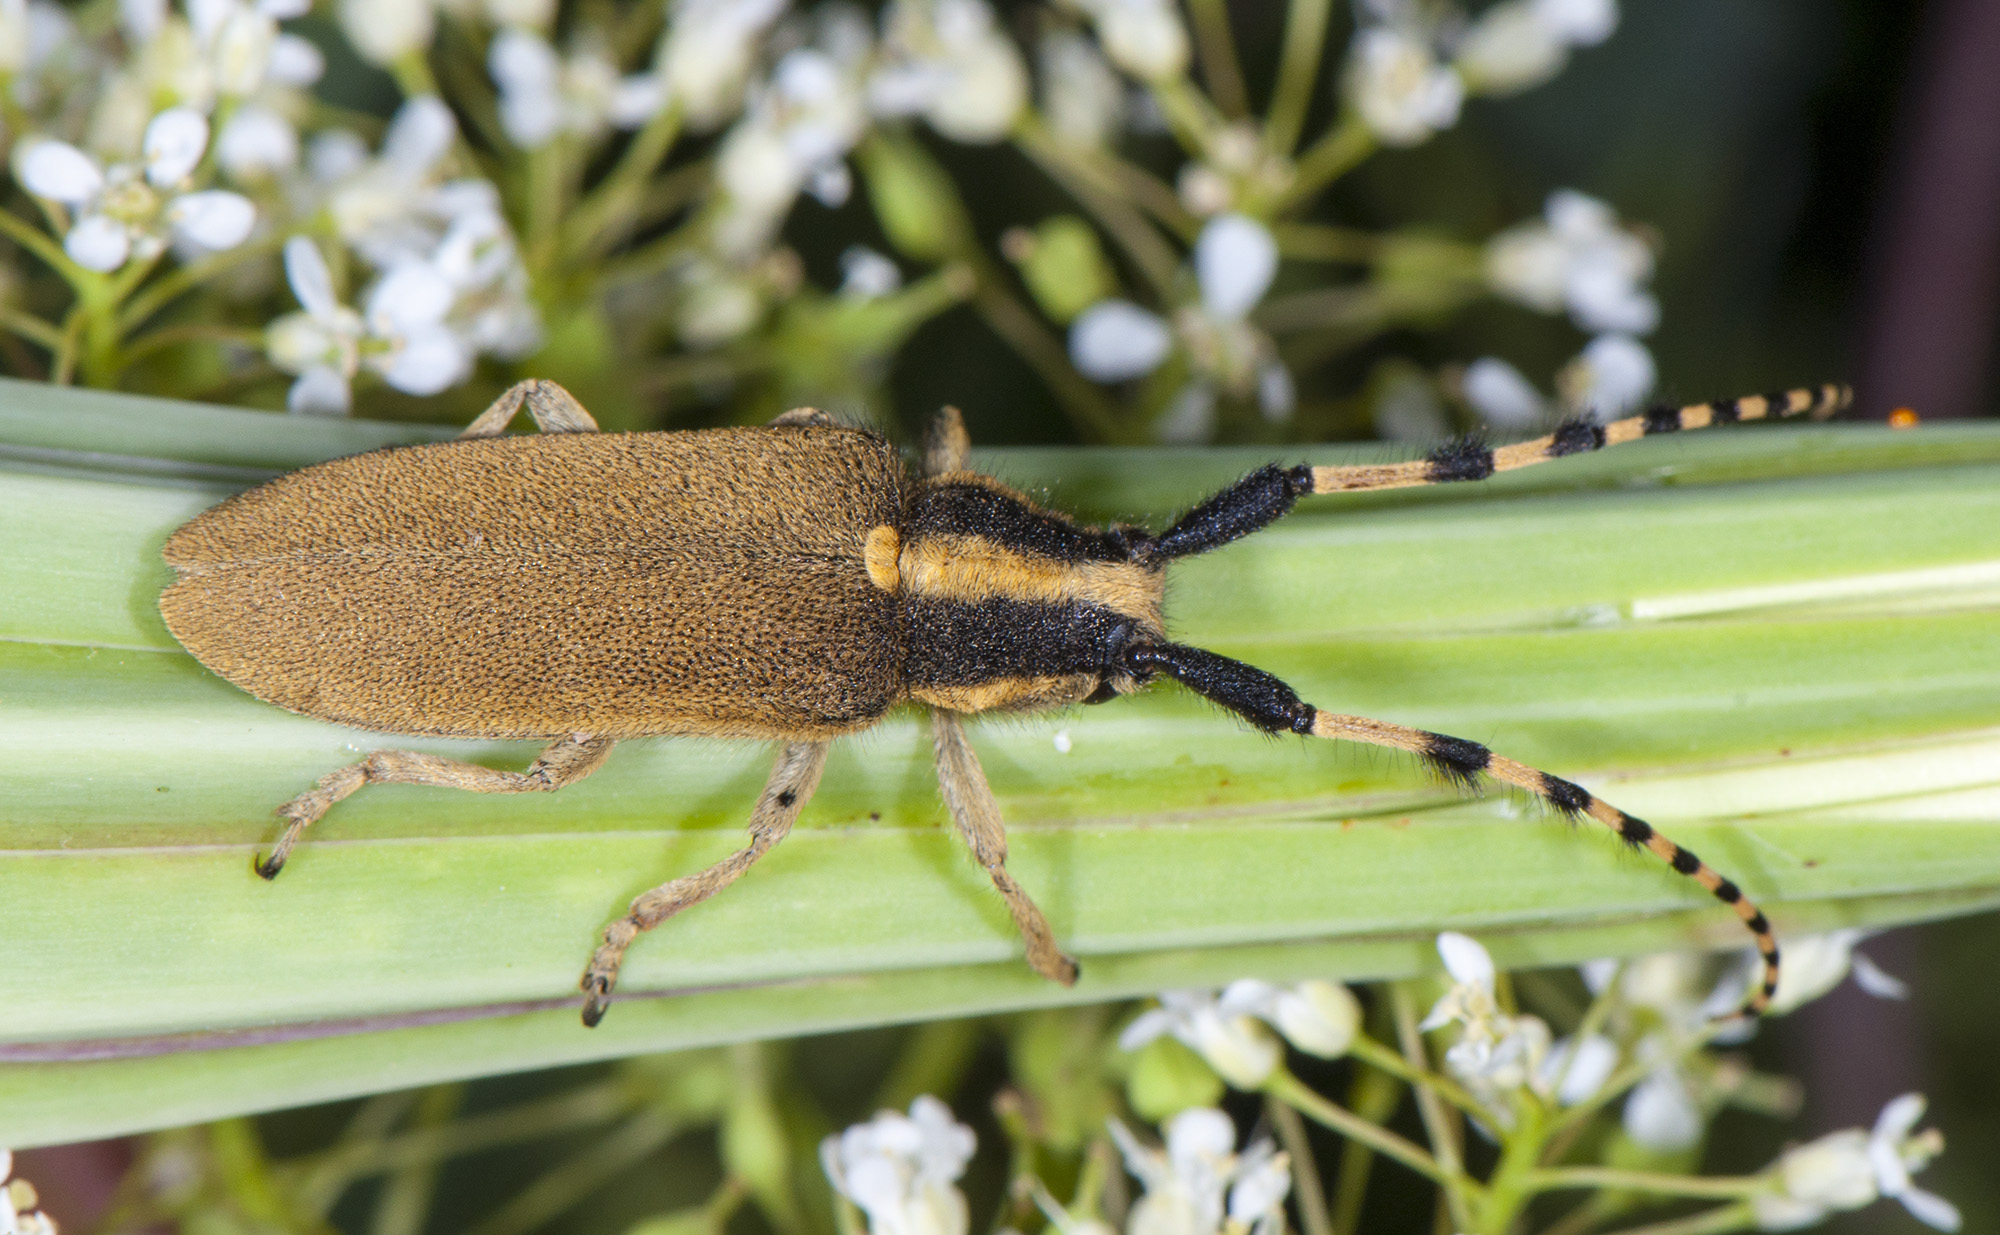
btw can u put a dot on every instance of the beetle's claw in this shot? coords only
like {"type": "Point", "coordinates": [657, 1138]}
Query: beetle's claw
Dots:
{"type": "Point", "coordinates": [596, 1000]}
{"type": "Point", "coordinates": [267, 868]}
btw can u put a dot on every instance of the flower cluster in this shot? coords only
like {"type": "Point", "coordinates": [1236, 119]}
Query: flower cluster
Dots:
{"type": "Point", "coordinates": [902, 1170]}
{"type": "Point", "coordinates": [1228, 1030]}
{"type": "Point", "coordinates": [18, 1215]}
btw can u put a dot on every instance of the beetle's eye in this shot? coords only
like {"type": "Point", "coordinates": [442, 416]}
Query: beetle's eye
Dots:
{"type": "Point", "coordinates": [1104, 693]}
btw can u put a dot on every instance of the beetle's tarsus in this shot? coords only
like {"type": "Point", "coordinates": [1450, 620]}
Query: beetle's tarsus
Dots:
{"type": "Point", "coordinates": [596, 1000]}
{"type": "Point", "coordinates": [267, 868]}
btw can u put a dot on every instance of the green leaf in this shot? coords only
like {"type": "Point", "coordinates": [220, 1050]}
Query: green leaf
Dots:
{"type": "Point", "coordinates": [1775, 644]}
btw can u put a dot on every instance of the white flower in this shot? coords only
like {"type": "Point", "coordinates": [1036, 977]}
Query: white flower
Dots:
{"type": "Point", "coordinates": [900, 1169]}
{"type": "Point", "coordinates": [1235, 259]}
{"type": "Point", "coordinates": [17, 1195]}
{"type": "Point", "coordinates": [1815, 964]}
{"type": "Point", "coordinates": [1115, 340]}
{"type": "Point", "coordinates": [388, 208]}
{"type": "Point", "coordinates": [133, 208]}
{"type": "Point", "coordinates": [1518, 44]}
{"type": "Point", "coordinates": [1662, 1114]}
{"type": "Point", "coordinates": [1198, 1185]}
{"type": "Point", "coordinates": [1496, 1055]}
{"type": "Point", "coordinates": [1319, 1017]}
{"type": "Point", "coordinates": [867, 275]}
{"type": "Point", "coordinates": [948, 61]}
{"type": "Point", "coordinates": [795, 138]}
{"type": "Point", "coordinates": [1082, 99]}
{"type": "Point", "coordinates": [1501, 396]}
{"type": "Point", "coordinates": [1227, 1035]}
{"type": "Point", "coordinates": [256, 142]}
{"type": "Point", "coordinates": [1611, 376]}
{"type": "Point", "coordinates": [401, 334]}
{"type": "Point", "coordinates": [1577, 257]}
{"type": "Point", "coordinates": [240, 40]}
{"type": "Point", "coordinates": [706, 52]}
{"type": "Point", "coordinates": [384, 31]}
{"type": "Point", "coordinates": [1848, 1169]}
{"type": "Point", "coordinates": [543, 95]}
{"type": "Point", "coordinates": [1576, 1069]}
{"type": "Point", "coordinates": [1398, 87]}
{"type": "Point", "coordinates": [1143, 37]}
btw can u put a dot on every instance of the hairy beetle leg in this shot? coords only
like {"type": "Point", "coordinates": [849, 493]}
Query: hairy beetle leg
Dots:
{"type": "Point", "coordinates": [792, 782]}
{"type": "Point", "coordinates": [565, 761]}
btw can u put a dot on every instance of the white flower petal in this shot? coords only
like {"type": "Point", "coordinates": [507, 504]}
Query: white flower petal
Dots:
{"type": "Point", "coordinates": [1187, 421]}
{"type": "Point", "coordinates": [866, 274]}
{"type": "Point", "coordinates": [1616, 373]}
{"type": "Point", "coordinates": [141, 19]}
{"type": "Point", "coordinates": [1596, 1057]}
{"type": "Point", "coordinates": [320, 391]}
{"type": "Point", "coordinates": [1320, 1018]}
{"type": "Point", "coordinates": [430, 360]}
{"type": "Point", "coordinates": [216, 219]}
{"type": "Point", "coordinates": [284, 10]}
{"type": "Point", "coordinates": [420, 134]}
{"type": "Point", "coordinates": [636, 100]}
{"type": "Point", "coordinates": [1277, 396]}
{"type": "Point", "coordinates": [312, 282]}
{"type": "Point", "coordinates": [1877, 981]}
{"type": "Point", "coordinates": [1500, 395]}
{"type": "Point", "coordinates": [1239, 1048]}
{"type": "Point", "coordinates": [1465, 960]}
{"type": "Point", "coordinates": [1398, 87]}
{"type": "Point", "coordinates": [1235, 259]}
{"type": "Point", "coordinates": [1148, 1025]}
{"type": "Point", "coordinates": [1199, 1133]}
{"type": "Point", "coordinates": [412, 296]}
{"type": "Point", "coordinates": [1899, 1118]}
{"type": "Point", "coordinates": [174, 141]}
{"type": "Point", "coordinates": [59, 172]}
{"type": "Point", "coordinates": [1581, 23]}
{"type": "Point", "coordinates": [256, 142]}
{"type": "Point", "coordinates": [1114, 340]}
{"type": "Point", "coordinates": [1931, 1209]}
{"type": "Point", "coordinates": [295, 62]}
{"type": "Point", "coordinates": [98, 243]}
{"type": "Point", "coordinates": [1662, 1115]}
{"type": "Point", "coordinates": [521, 60]}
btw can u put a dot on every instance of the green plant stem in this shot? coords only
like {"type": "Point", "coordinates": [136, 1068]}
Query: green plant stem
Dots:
{"type": "Point", "coordinates": [1298, 71]}
{"type": "Point", "coordinates": [1087, 407]}
{"type": "Point", "coordinates": [1286, 1088]}
{"type": "Point", "coordinates": [62, 367]}
{"type": "Point", "coordinates": [321, 1180]}
{"type": "Point", "coordinates": [1721, 1187]}
{"type": "Point", "coordinates": [570, 1181]}
{"type": "Point", "coordinates": [1374, 1053]}
{"type": "Point", "coordinates": [1458, 1190]}
{"type": "Point", "coordinates": [1306, 1184]}
{"type": "Point", "coordinates": [1155, 261]}
{"type": "Point", "coordinates": [1716, 1221]}
{"type": "Point", "coordinates": [38, 242]}
{"type": "Point", "coordinates": [1190, 117]}
{"type": "Point", "coordinates": [31, 328]}
{"type": "Point", "coordinates": [609, 208]}
{"type": "Point", "coordinates": [183, 279]}
{"type": "Point", "coordinates": [405, 1199]}
{"type": "Point", "coordinates": [579, 1108]}
{"type": "Point", "coordinates": [1216, 47]}
{"type": "Point", "coordinates": [1339, 151]}
{"type": "Point", "coordinates": [171, 336]}
{"type": "Point", "coordinates": [1631, 1074]}
{"type": "Point", "coordinates": [1593, 1019]}
{"type": "Point", "coordinates": [1510, 1186]}
{"type": "Point", "coordinates": [1314, 242]}
{"type": "Point", "coordinates": [1374, 1096]}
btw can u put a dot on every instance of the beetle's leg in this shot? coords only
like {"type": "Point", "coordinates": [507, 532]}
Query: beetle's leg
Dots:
{"type": "Point", "coordinates": [793, 779]}
{"type": "Point", "coordinates": [1274, 707]}
{"type": "Point", "coordinates": [565, 761]}
{"type": "Point", "coordinates": [803, 416]}
{"type": "Point", "coordinates": [554, 410]}
{"type": "Point", "coordinates": [978, 816]}
{"type": "Point", "coordinates": [1268, 494]}
{"type": "Point", "coordinates": [947, 447]}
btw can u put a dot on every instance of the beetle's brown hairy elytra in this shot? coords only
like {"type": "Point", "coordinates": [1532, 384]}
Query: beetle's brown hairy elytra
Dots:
{"type": "Point", "coordinates": [790, 583]}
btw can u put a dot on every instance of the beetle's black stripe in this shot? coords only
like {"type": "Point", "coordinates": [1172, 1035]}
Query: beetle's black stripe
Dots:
{"type": "Point", "coordinates": [1456, 759]}
{"type": "Point", "coordinates": [964, 643]}
{"type": "Point", "coordinates": [1724, 412]}
{"type": "Point", "coordinates": [1465, 459]}
{"type": "Point", "coordinates": [977, 510]}
{"type": "Point", "coordinates": [1633, 831]}
{"type": "Point", "coordinates": [1685, 862]}
{"type": "Point", "coordinates": [1662, 419]}
{"type": "Point", "coordinates": [1575, 436]}
{"type": "Point", "coordinates": [1570, 799]}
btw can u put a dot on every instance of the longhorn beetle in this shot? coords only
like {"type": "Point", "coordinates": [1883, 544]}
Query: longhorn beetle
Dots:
{"type": "Point", "coordinates": [792, 583]}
